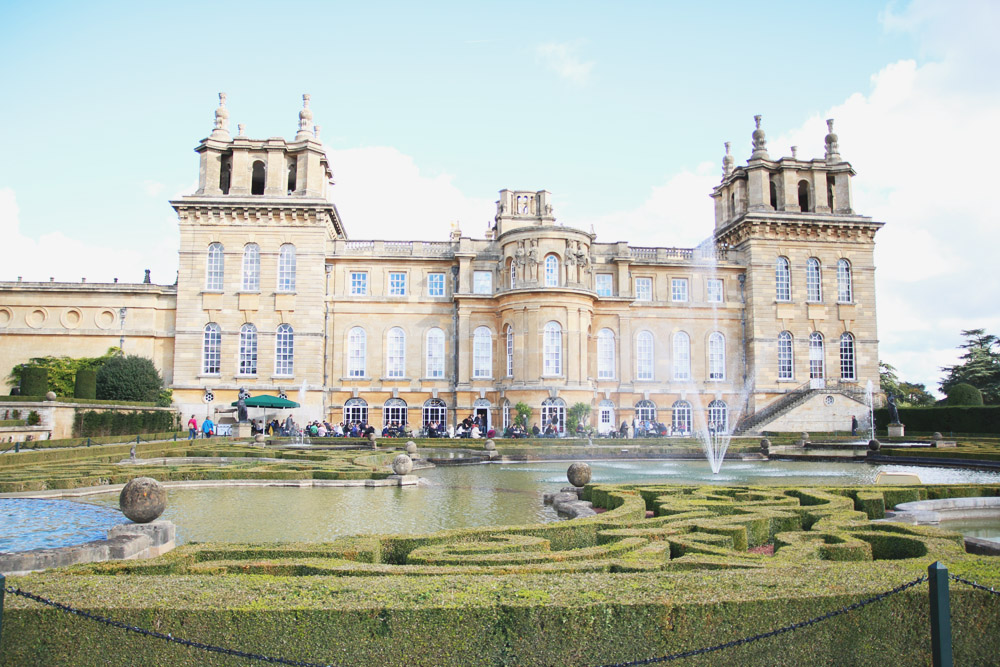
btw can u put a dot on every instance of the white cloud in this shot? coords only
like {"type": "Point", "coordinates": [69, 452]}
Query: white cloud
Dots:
{"type": "Point", "coordinates": [152, 188]}
{"type": "Point", "coordinates": [69, 260]}
{"type": "Point", "coordinates": [381, 194]}
{"type": "Point", "coordinates": [563, 60]}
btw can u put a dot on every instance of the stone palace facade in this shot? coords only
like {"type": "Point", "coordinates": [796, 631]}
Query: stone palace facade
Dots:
{"type": "Point", "coordinates": [769, 324]}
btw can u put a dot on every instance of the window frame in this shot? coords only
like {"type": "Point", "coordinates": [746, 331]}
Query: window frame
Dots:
{"type": "Point", "coordinates": [357, 351]}
{"type": "Point", "coordinates": [782, 280]}
{"type": "Point", "coordinates": [397, 283]}
{"type": "Point", "coordinates": [606, 354]}
{"type": "Point", "coordinates": [716, 356]}
{"type": "Point", "coordinates": [250, 276]}
{"type": "Point", "coordinates": [482, 353]}
{"type": "Point", "coordinates": [645, 360]}
{"type": "Point", "coordinates": [786, 356]}
{"type": "Point", "coordinates": [357, 282]}
{"type": "Point", "coordinates": [433, 288]}
{"type": "Point", "coordinates": [845, 281]}
{"type": "Point", "coordinates": [284, 350]}
{"type": "Point", "coordinates": [552, 349]}
{"type": "Point", "coordinates": [211, 349]}
{"type": "Point", "coordinates": [643, 288]}
{"type": "Point", "coordinates": [681, 348]}
{"type": "Point", "coordinates": [679, 292]}
{"type": "Point", "coordinates": [814, 280]}
{"type": "Point", "coordinates": [551, 264]}
{"type": "Point", "coordinates": [482, 282]}
{"type": "Point", "coordinates": [215, 267]}
{"type": "Point", "coordinates": [604, 284]}
{"type": "Point", "coordinates": [509, 335]}
{"type": "Point", "coordinates": [848, 357]}
{"type": "Point", "coordinates": [287, 268]}
{"type": "Point", "coordinates": [434, 340]}
{"type": "Point", "coordinates": [719, 293]}
{"type": "Point", "coordinates": [248, 351]}
{"type": "Point", "coordinates": [395, 353]}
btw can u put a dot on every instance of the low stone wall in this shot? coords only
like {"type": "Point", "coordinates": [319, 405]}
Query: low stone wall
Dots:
{"type": "Point", "coordinates": [931, 512]}
{"type": "Point", "coordinates": [124, 541]}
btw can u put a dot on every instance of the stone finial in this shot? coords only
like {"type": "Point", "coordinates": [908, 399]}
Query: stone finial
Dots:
{"type": "Point", "coordinates": [832, 145]}
{"type": "Point", "coordinates": [727, 162]}
{"type": "Point", "coordinates": [795, 152]}
{"type": "Point", "coordinates": [221, 131]}
{"type": "Point", "coordinates": [305, 120]}
{"type": "Point", "coordinates": [242, 129]}
{"type": "Point", "coordinates": [759, 142]}
{"type": "Point", "coordinates": [316, 129]}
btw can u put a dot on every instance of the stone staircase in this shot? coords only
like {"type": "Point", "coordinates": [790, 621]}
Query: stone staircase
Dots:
{"type": "Point", "coordinates": [790, 401]}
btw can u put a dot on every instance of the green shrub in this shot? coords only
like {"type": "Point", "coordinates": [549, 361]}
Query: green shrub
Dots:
{"type": "Point", "coordinates": [129, 379]}
{"type": "Point", "coordinates": [946, 419]}
{"type": "Point", "coordinates": [34, 381]}
{"type": "Point", "coordinates": [964, 394]}
{"type": "Point", "coordinates": [577, 414]}
{"type": "Point", "coordinates": [523, 411]}
{"type": "Point", "coordinates": [34, 419]}
{"type": "Point", "coordinates": [88, 423]}
{"type": "Point", "coordinates": [86, 384]}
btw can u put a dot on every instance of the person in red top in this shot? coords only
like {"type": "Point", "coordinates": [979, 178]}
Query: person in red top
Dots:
{"type": "Point", "coordinates": [192, 428]}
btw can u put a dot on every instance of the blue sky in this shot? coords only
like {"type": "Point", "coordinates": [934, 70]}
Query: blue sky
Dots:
{"type": "Point", "coordinates": [620, 110]}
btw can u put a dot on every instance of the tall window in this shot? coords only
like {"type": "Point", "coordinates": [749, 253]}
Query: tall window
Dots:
{"type": "Point", "coordinates": [435, 353]}
{"type": "Point", "coordinates": [606, 417]}
{"type": "Point", "coordinates": [214, 267]}
{"type": "Point", "coordinates": [510, 351]}
{"type": "Point", "coordinates": [513, 275]}
{"type": "Point", "coordinates": [845, 290]}
{"type": "Point", "coordinates": [552, 349]}
{"type": "Point", "coordinates": [435, 410]}
{"type": "Point", "coordinates": [643, 289]}
{"type": "Point", "coordinates": [716, 356]}
{"type": "Point", "coordinates": [482, 282]}
{"type": "Point", "coordinates": [359, 283]}
{"type": "Point", "coordinates": [816, 357]}
{"type": "Point", "coordinates": [482, 353]}
{"type": "Point", "coordinates": [718, 416]}
{"type": "Point", "coordinates": [355, 410]}
{"type": "Point", "coordinates": [782, 280]}
{"type": "Point", "coordinates": [251, 267]}
{"type": "Point", "coordinates": [258, 178]}
{"type": "Point", "coordinates": [603, 284]}
{"type": "Point", "coordinates": [847, 362]}
{"type": "Point", "coordinates": [395, 353]}
{"type": "Point", "coordinates": [286, 268]}
{"type": "Point", "coordinates": [682, 356]}
{"type": "Point", "coordinates": [397, 283]}
{"type": "Point", "coordinates": [356, 352]}
{"type": "Point", "coordinates": [248, 350]}
{"type": "Point", "coordinates": [644, 356]}
{"type": "Point", "coordinates": [284, 351]}
{"type": "Point", "coordinates": [211, 350]}
{"type": "Point", "coordinates": [785, 369]}
{"type": "Point", "coordinates": [681, 419]}
{"type": "Point", "coordinates": [645, 411]}
{"type": "Point", "coordinates": [554, 412]}
{"type": "Point", "coordinates": [394, 412]}
{"type": "Point", "coordinates": [679, 289]}
{"type": "Point", "coordinates": [715, 290]}
{"type": "Point", "coordinates": [435, 284]}
{"type": "Point", "coordinates": [505, 412]}
{"type": "Point", "coordinates": [814, 283]}
{"type": "Point", "coordinates": [551, 271]}
{"type": "Point", "coordinates": [605, 354]}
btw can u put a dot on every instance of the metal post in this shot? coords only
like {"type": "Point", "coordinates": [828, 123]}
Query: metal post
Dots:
{"type": "Point", "coordinates": [937, 575]}
{"type": "Point", "coordinates": [88, 442]}
{"type": "Point", "coordinates": [3, 582]}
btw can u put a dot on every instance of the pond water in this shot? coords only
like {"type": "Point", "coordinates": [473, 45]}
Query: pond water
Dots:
{"type": "Point", "coordinates": [28, 523]}
{"type": "Point", "coordinates": [465, 496]}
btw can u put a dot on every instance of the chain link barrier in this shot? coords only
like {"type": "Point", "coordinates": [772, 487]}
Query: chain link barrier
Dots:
{"type": "Point", "coordinates": [159, 635]}
{"type": "Point", "coordinates": [973, 584]}
{"type": "Point", "coordinates": [774, 633]}
{"type": "Point", "coordinates": [648, 661]}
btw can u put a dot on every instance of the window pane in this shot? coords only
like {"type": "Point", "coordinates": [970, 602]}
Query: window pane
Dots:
{"type": "Point", "coordinates": [248, 350]}
{"type": "Point", "coordinates": [679, 289]}
{"type": "Point", "coordinates": [211, 350]}
{"type": "Point", "coordinates": [605, 354]}
{"type": "Point", "coordinates": [814, 290]}
{"type": "Point", "coordinates": [482, 353]}
{"type": "Point", "coordinates": [435, 353]}
{"type": "Point", "coordinates": [551, 271]}
{"type": "Point", "coordinates": [284, 351]}
{"type": "Point", "coordinates": [510, 352]}
{"type": "Point", "coordinates": [644, 289]}
{"type": "Point", "coordinates": [552, 352]}
{"type": "Point", "coordinates": [782, 280]}
{"type": "Point", "coordinates": [785, 368]}
{"type": "Point", "coordinates": [816, 357]}
{"type": "Point", "coordinates": [214, 267]}
{"type": "Point", "coordinates": [286, 268]}
{"type": "Point", "coordinates": [644, 356]}
{"type": "Point", "coordinates": [395, 353]}
{"type": "Point", "coordinates": [397, 283]}
{"type": "Point", "coordinates": [356, 344]}
{"type": "Point", "coordinates": [682, 356]}
{"type": "Point", "coordinates": [251, 268]}
{"type": "Point", "coordinates": [681, 420]}
{"type": "Point", "coordinates": [845, 290]}
{"type": "Point", "coordinates": [715, 290]}
{"type": "Point", "coordinates": [847, 367]}
{"type": "Point", "coordinates": [482, 282]}
{"type": "Point", "coordinates": [359, 283]}
{"type": "Point", "coordinates": [604, 284]}
{"type": "Point", "coordinates": [435, 284]}
{"type": "Point", "coordinates": [716, 357]}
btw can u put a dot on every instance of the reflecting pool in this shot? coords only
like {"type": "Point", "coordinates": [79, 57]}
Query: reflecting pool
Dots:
{"type": "Point", "coordinates": [28, 523]}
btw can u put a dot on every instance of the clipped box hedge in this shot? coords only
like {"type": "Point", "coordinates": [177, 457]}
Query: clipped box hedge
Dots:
{"type": "Point", "coordinates": [946, 419]}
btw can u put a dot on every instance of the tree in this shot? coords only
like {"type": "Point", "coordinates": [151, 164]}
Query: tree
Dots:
{"type": "Point", "coordinates": [964, 394]}
{"type": "Point", "coordinates": [61, 370]}
{"type": "Point", "coordinates": [980, 365]}
{"type": "Point", "coordinates": [577, 414]}
{"type": "Point", "coordinates": [916, 393]}
{"type": "Point", "coordinates": [129, 379]}
{"type": "Point", "coordinates": [523, 414]}
{"type": "Point", "coordinates": [887, 379]}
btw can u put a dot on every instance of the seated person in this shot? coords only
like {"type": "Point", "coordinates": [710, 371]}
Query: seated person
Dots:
{"type": "Point", "coordinates": [535, 431]}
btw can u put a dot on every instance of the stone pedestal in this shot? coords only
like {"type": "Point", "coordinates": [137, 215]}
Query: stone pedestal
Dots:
{"type": "Point", "coordinates": [896, 430]}
{"type": "Point", "coordinates": [241, 430]}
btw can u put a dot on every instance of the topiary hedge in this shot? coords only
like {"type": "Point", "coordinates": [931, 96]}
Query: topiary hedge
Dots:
{"type": "Point", "coordinates": [86, 384]}
{"type": "Point", "coordinates": [946, 419]}
{"type": "Point", "coordinates": [964, 394]}
{"type": "Point", "coordinates": [34, 381]}
{"type": "Point", "coordinates": [88, 423]}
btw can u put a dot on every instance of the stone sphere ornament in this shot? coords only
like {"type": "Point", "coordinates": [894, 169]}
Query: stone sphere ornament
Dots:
{"type": "Point", "coordinates": [411, 447]}
{"type": "Point", "coordinates": [874, 445]}
{"type": "Point", "coordinates": [402, 465]}
{"type": "Point", "coordinates": [937, 436]}
{"type": "Point", "coordinates": [143, 499]}
{"type": "Point", "coordinates": [490, 445]}
{"type": "Point", "coordinates": [578, 474]}
{"type": "Point", "coordinates": [765, 445]}
{"type": "Point", "coordinates": [50, 396]}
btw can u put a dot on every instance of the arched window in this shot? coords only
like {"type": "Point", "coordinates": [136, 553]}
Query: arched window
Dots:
{"type": "Point", "coordinates": [357, 343]}
{"type": "Point", "coordinates": [248, 350]}
{"type": "Point", "coordinates": [718, 417]}
{"type": "Point", "coordinates": [435, 412]}
{"type": "Point", "coordinates": [554, 412]}
{"type": "Point", "coordinates": [785, 369]}
{"type": "Point", "coordinates": [845, 289]}
{"type": "Point", "coordinates": [394, 412]}
{"type": "Point", "coordinates": [505, 411]}
{"type": "Point", "coordinates": [606, 417]}
{"type": "Point", "coordinates": [552, 349]}
{"type": "Point", "coordinates": [551, 271]}
{"type": "Point", "coordinates": [395, 353]}
{"type": "Point", "coordinates": [814, 282]}
{"type": "Point", "coordinates": [847, 361]}
{"type": "Point", "coordinates": [605, 354]}
{"type": "Point", "coordinates": [782, 280]}
{"type": "Point", "coordinates": [251, 268]}
{"type": "Point", "coordinates": [510, 351]}
{"type": "Point", "coordinates": [817, 370]}
{"type": "Point", "coordinates": [257, 179]}
{"type": "Point", "coordinates": [214, 267]}
{"type": "Point", "coordinates": [293, 169]}
{"type": "Point", "coordinates": [681, 417]}
{"type": "Point", "coordinates": [716, 356]}
{"type": "Point", "coordinates": [226, 173]}
{"type": "Point", "coordinates": [435, 353]}
{"type": "Point", "coordinates": [644, 356]}
{"type": "Point", "coordinates": [513, 274]}
{"type": "Point", "coordinates": [286, 268]}
{"type": "Point", "coordinates": [211, 350]}
{"type": "Point", "coordinates": [774, 195]}
{"type": "Point", "coordinates": [645, 411]}
{"type": "Point", "coordinates": [804, 196]}
{"type": "Point", "coordinates": [482, 353]}
{"type": "Point", "coordinates": [284, 351]}
{"type": "Point", "coordinates": [682, 356]}
{"type": "Point", "coordinates": [355, 411]}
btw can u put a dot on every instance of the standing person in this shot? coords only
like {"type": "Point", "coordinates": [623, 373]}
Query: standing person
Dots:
{"type": "Point", "coordinates": [854, 425]}
{"type": "Point", "coordinates": [192, 428]}
{"type": "Point", "coordinates": [208, 427]}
